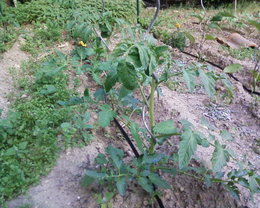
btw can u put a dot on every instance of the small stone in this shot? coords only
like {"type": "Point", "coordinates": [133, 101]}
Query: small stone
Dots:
{"type": "Point", "coordinates": [78, 197]}
{"type": "Point", "coordinates": [181, 189]}
{"type": "Point", "coordinates": [145, 203]}
{"type": "Point", "coordinates": [24, 96]}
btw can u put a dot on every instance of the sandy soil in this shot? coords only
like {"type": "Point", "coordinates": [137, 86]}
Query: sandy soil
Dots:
{"type": "Point", "coordinates": [11, 59]}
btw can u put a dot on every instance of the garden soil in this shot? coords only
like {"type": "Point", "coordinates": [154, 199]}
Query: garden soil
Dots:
{"type": "Point", "coordinates": [61, 187]}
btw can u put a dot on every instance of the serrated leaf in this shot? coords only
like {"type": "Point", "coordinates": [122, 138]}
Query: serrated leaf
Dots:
{"type": "Point", "coordinates": [96, 175]}
{"type": "Point", "coordinates": [145, 184]}
{"type": "Point", "coordinates": [189, 78]}
{"type": "Point", "coordinates": [121, 185]}
{"type": "Point", "coordinates": [219, 158]}
{"type": "Point", "coordinates": [101, 159]}
{"type": "Point", "coordinates": [232, 68]}
{"type": "Point", "coordinates": [105, 117]}
{"type": "Point", "coordinates": [86, 181]}
{"type": "Point", "coordinates": [159, 50]}
{"type": "Point", "coordinates": [226, 135]}
{"type": "Point", "coordinates": [134, 130]}
{"type": "Point", "coordinates": [208, 82]}
{"type": "Point", "coordinates": [143, 54]}
{"type": "Point", "coordinates": [158, 181]}
{"type": "Point", "coordinates": [111, 80]}
{"type": "Point", "coordinates": [187, 147]}
{"type": "Point", "coordinates": [127, 75]}
{"type": "Point", "coordinates": [165, 127]}
{"type": "Point", "coordinates": [254, 186]}
{"type": "Point", "coordinates": [154, 158]}
{"type": "Point", "coordinates": [116, 156]}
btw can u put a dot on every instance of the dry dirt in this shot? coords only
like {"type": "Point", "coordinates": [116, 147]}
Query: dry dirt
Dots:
{"type": "Point", "coordinates": [11, 59]}
{"type": "Point", "coordinates": [61, 188]}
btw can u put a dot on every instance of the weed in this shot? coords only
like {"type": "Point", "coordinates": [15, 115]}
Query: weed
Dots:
{"type": "Point", "coordinates": [241, 54]}
{"type": "Point", "coordinates": [29, 143]}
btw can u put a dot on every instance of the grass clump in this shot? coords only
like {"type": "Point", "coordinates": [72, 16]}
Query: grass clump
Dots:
{"type": "Point", "coordinates": [29, 144]}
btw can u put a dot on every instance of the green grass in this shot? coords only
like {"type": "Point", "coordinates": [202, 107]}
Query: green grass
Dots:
{"type": "Point", "coordinates": [29, 145]}
{"type": "Point", "coordinates": [241, 54]}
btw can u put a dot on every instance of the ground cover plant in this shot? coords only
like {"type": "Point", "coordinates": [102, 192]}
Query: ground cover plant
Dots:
{"type": "Point", "coordinates": [128, 80]}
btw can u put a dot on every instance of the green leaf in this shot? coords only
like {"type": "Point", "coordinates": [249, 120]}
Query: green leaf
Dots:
{"type": "Point", "coordinates": [121, 185]}
{"type": "Point", "coordinates": [255, 24]}
{"type": "Point", "coordinates": [101, 159]}
{"type": "Point", "coordinates": [226, 135]}
{"type": "Point", "coordinates": [154, 158]}
{"type": "Point", "coordinates": [254, 184]}
{"type": "Point", "coordinates": [105, 117]}
{"type": "Point", "coordinates": [71, 101]}
{"type": "Point", "coordinates": [219, 158]}
{"type": "Point", "coordinates": [143, 54]}
{"type": "Point", "coordinates": [49, 89]}
{"type": "Point", "coordinates": [159, 50]}
{"type": "Point", "coordinates": [208, 82]}
{"type": "Point", "coordinates": [232, 68]}
{"type": "Point", "coordinates": [165, 127]}
{"type": "Point", "coordinates": [111, 80]}
{"type": "Point", "coordinates": [187, 147]}
{"type": "Point", "coordinates": [189, 78]}
{"type": "Point", "coordinates": [209, 37]}
{"type": "Point", "coordinates": [134, 128]}
{"type": "Point", "coordinates": [226, 14]}
{"type": "Point", "coordinates": [86, 92]}
{"type": "Point", "coordinates": [216, 18]}
{"type": "Point", "coordinates": [100, 94]}
{"type": "Point", "coordinates": [158, 181]}
{"type": "Point", "coordinates": [86, 181]}
{"type": "Point", "coordinates": [145, 184]}
{"type": "Point", "coordinates": [200, 18]}
{"type": "Point", "coordinates": [95, 174]}
{"type": "Point", "coordinates": [127, 75]}
{"type": "Point", "coordinates": [190, 37]}
{"type": "Point", "coordinates": [116, 156]}
{"type": "Point", "coordinates": [233, 190]}
{"type": "Point", "coordinates": [9, 152]}
{"type": "Point", "coordinates": [124, 92]}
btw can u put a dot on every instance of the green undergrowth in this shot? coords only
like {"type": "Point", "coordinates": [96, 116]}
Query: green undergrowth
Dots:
{"type": "Point", "coordinates": [175, 26]}
{"type": "Point", "coordinates": [49, 18]}
{"type": "Point", "coordinates": [29, 143]}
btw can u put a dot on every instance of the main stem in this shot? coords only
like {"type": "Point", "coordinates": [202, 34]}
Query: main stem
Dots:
{"type": "Point", "coordinates": [151, 114]}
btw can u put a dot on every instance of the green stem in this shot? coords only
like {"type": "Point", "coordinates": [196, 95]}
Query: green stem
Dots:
{"type": "Point", "coordinates": [151, 114]}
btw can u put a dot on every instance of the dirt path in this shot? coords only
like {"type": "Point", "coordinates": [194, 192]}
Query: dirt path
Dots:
{"type": "Point", "coordinates": [61, 187]}
{"type": "Point", "coordinates": [11, 59]}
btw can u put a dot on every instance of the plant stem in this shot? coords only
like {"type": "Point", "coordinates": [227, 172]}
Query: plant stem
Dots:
{"type": "Point", "coordinates": [151, 114]}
